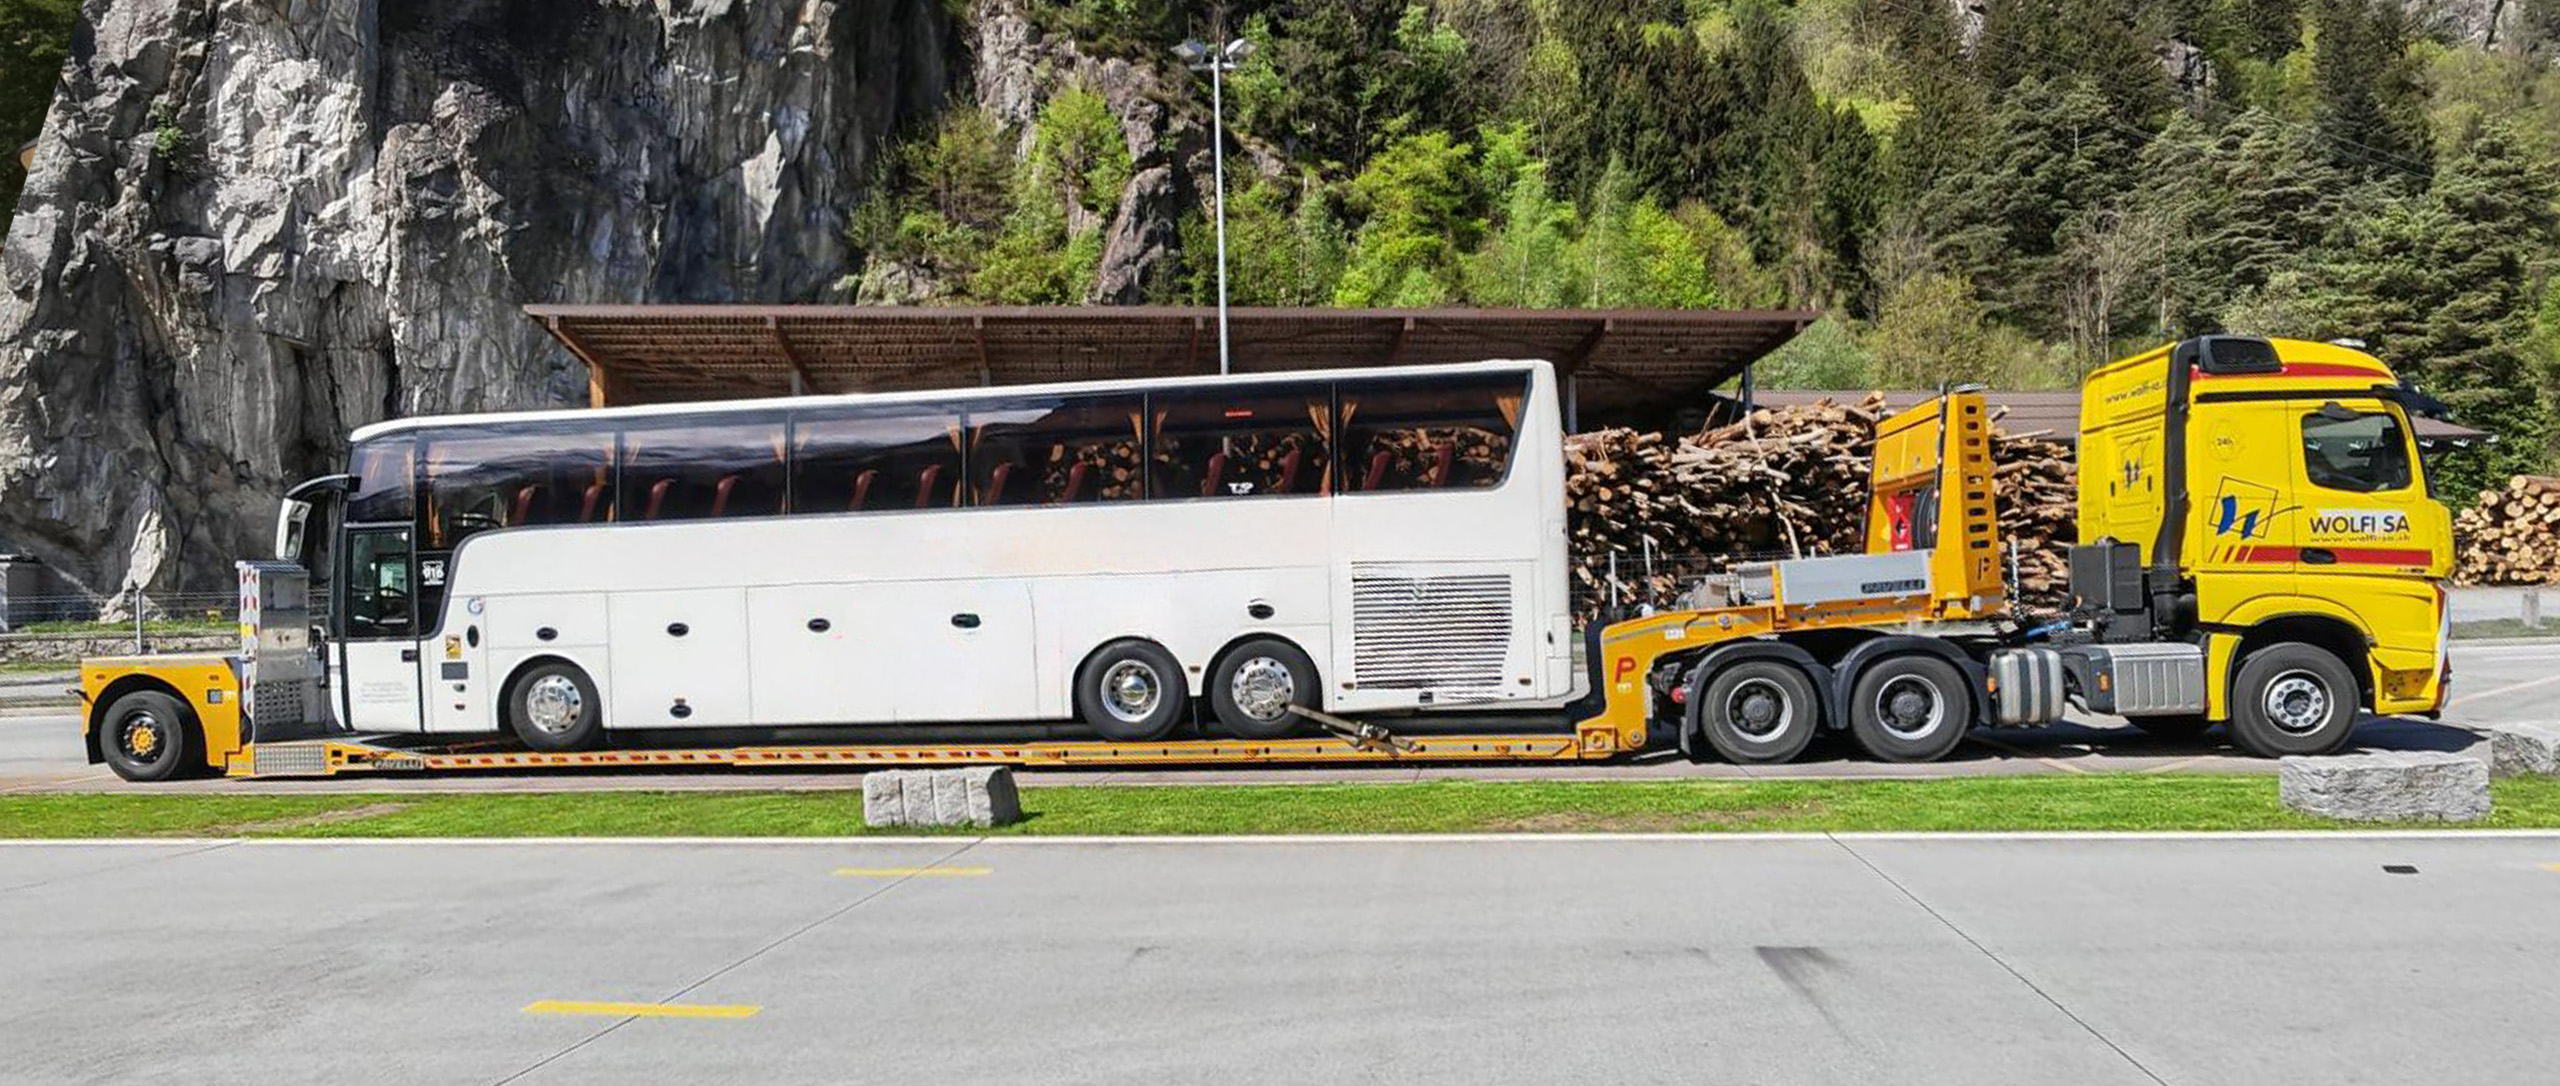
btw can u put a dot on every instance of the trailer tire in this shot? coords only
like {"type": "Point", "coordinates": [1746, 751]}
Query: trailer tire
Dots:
{"type": "Point", "coordinates": [2292, 698]}
{"type": "Point", "coordinates": [552, 707]}
{"type": "Point", "coordinates": [1758, 712]}
{"type": "Point", "coordinates": [2179, 726]}
{"type": "Point", "coordinates": [145, 737]}
{"type": "Point", "coordinates": [1910, 708]}
{"type": "Point", "coordinates": [1255, 683]}
{"type": "Point", "coordinates": [1131, 691]}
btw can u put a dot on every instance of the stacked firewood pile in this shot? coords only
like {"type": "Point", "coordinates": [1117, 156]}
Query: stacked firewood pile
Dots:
{"type": "Point", "coordinates": [2511, 535]}
{"type": "Point", "coordinates": [1782, 482]}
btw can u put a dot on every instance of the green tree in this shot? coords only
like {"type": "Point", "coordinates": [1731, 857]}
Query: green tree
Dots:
{"type": "Point", "coordinates": [35, 38]}
{"type": "Point", "coordinates": [2370, 105]}
{"type": "Point", "coordinates": [1527, 259]}
{"type": "Point", "coordinates": [1079, 150]}
{"type": "Point", "coordinates": [1417, 201]}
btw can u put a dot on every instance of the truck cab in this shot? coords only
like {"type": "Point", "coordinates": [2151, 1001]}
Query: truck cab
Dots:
{"type": "Point", "coordinates": [2264, 500]}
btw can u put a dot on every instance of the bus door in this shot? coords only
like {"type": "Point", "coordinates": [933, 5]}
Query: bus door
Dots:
{"type": "Point", "coordinates": [374, 658]}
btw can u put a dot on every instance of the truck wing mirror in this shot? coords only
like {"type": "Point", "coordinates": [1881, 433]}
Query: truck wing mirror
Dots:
{"type": "Point", "coordinates": [2334, 412]}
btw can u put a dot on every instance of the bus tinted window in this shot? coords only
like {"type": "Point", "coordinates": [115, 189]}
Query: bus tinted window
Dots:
{"type": "Point", "coordinates": [386, 480]}
{"type": "Point", "coordinates": [1242, 442]}
{"type": "Point", "coordinates": [478, 480]}
{"type": "Point", "coordinates": [1440, 433]}
{"type": "Point", "coordinates": [1055, 450]}
{"type": "Point", "coordinates": [870, 459]}
{"type": "Point", "coordinates": [701, 470]}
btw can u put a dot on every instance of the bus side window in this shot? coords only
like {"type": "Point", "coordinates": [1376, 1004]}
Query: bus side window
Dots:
{"type": "Point", "coordinates": [875, 459]}
{"type": "Point", "coordinates": [1441, 434]}
{"type": "Point", "coordinates": [1242, 442]}
{"type": "Point", "coordinates": [1055, 451]}
{"type": "Point", "coordinates": [686, 470]}
{"type": "Point", "coordinates": [480, 480]}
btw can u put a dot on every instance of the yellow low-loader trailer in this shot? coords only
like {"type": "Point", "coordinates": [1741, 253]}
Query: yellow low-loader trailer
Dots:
{"type": "Point", "coordinates": [2258, 550]}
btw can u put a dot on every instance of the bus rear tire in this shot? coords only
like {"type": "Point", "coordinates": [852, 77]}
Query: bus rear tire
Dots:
{"type": "Point", "coordinates": [1131, 691]}
{"type": "Point", "coordinates": [2293, 698]}
{"type": "Point", "coordinates": [553, 708]}
{"type": "Point", "coordinates": [144, 737]}
{"type": "Point", "coordinates": [1757, 712]}
{"type": "Point", "coordinates": [1254, 690]}
{"type": "Point", "coordinates": [1911, 708]}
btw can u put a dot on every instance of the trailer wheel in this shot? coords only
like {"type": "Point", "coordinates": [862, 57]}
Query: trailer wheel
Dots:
{"type": "Point", "coordinates": [144, 736]}
{"type": "Point", "coordinates": [553, 707]}
{"type": "Point", "coordinates": [2292, 698]}
{"type": "Point", "coordinates": [1131, 691]}
{"type": "Point", "coordinates": [2180, 726]}
{"type": "Point", "coordinates": [1911, 708]}
{"type": "Point", "coordinates": [1758, 712]}
{"type": "Point", "coordinates": [1253, 689]}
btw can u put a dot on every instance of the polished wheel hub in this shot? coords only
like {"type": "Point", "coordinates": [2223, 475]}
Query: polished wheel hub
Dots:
{"type": "Point", "coordinates": [2297, 702]}
{"type": "Point", "coordinates": [1131, 690]}
{"type": "Point", "coordinates": [553, 704]}
{"type": "Point", "coordinates": [1262, 689]}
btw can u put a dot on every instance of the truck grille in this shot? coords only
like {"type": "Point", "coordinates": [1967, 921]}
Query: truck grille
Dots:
{"type": "Point", "coordinates": [1413, 633]}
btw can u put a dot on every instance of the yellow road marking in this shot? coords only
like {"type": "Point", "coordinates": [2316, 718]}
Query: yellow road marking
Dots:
{"type": "Point", "coordinates": [643, 1010]}
{"type": "Point", "coordinates": [2551, 867]}
{"type": "Point", "coordinates": [910, 872]}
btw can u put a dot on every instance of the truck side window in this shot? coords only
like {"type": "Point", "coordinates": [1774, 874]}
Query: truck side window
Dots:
{"type": "Point", "coordinates": [2363, 452]}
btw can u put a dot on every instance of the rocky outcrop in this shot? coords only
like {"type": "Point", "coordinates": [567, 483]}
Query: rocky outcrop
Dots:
{"type": "Point", "coordinates": [252, 225]}
{"type": "Point", "coordinates": [1018, 69]}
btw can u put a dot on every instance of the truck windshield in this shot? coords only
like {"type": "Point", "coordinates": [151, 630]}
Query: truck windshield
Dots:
{"type": "Point", "coordinates": [2360, 451]}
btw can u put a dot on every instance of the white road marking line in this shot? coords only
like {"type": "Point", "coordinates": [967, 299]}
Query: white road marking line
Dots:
{"type": "Point", "coordinates": [2502, 691]}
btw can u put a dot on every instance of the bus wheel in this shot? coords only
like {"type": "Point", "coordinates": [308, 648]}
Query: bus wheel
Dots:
{"type": "Point", "coordinates": [1131, 691]}
{"type": "Point", "coordinates": [553, 707]}
{"type": "Point", "coordinates": [1255, 690]}
{"type": "Point", "coordinates": [1758, 712]}
{"type": "Point", "coordinates": [144, 736]}
{"type": "Point", "coordinates": [1910, 708]}
{"type": "Point", "coordinates": [2293, 698]}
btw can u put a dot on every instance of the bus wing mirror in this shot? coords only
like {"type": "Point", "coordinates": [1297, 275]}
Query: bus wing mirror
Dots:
{"type": "Point", "coordinates": [291, 521]}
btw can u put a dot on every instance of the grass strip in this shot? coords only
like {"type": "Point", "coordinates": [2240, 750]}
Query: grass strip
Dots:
{"type": "Point", "coordinates": [2119, 803]}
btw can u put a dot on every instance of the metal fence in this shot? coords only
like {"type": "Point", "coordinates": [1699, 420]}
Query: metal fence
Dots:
{"type": "Point", "coordinates": [144, 618]}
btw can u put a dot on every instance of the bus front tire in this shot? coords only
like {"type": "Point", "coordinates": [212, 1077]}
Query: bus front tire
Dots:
{"type": "Point", "coordinates": [144, 737]}
{"type": "Point", "coordinates": [1911, 708]}
{"type": "Point", "coordinates": [553, 707]}
{"type": "Point", "coordinates": [1758, 712]}
{"type": "Point", "coordinates": [1255, 691]}
{"type": "Point", "coordinates": [2293, 698]}
{"type": "Point", "coordinates": [1131, 691]}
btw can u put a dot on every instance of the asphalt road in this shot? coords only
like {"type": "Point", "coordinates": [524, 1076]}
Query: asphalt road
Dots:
{"type": "Point", "coordinates": [1855, 959]}
{"type": "Point", "coordinates": [2495, 683]}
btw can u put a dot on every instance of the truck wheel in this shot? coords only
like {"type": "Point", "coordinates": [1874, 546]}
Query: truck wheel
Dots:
{"type": "Point", "coordinates": [2180, 726]}
{"type": "Point", "coordinates": [144, 736]}
{"type": "Point", "coordinates": [1251, 692]}
{"type": "Point", "coordinates": [2293, 698]}
{"type": "Point", "coordinates": [1131, 691]}
{"type": "Point", "coordinates": [1758, 712]}
{"type": "Point", "coordinates": [553, 707]}
{"type": "Point", "coordinates": [1910, 708]}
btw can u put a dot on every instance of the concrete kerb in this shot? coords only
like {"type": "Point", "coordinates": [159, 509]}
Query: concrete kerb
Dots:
{"type": "Point", "coordinates": [2388, 786]}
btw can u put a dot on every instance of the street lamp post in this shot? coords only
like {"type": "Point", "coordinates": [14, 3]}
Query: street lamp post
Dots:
{"type": "Point", "coordinates": [1200, 56]}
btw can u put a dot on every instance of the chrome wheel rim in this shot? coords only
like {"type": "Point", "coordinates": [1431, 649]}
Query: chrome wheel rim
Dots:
{"type": "Point", "coordinates": [1262, 689]}
{"type": "Point", "coordinates": [1759, 709]}
{"type": "Point", "coordinates": [553, 704]}
{"type": "Point", "coordinates": [2298, 702]}
{"type": "Point", "coordinates": [1131, 690]}
{"type": "Point", "coordinates": [1910, 707]}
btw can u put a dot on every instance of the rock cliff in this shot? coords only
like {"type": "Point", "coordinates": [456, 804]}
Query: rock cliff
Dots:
{"type": "Point", "coordinates": [252, 225]}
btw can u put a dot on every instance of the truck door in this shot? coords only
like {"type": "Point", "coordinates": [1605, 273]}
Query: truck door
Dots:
{"type": "Point", "coordinates": [375, 658]}
{"type": "Point", "coordinates": [2247, 519]}
{"type": "Point", "coordinates": [2364, 510]}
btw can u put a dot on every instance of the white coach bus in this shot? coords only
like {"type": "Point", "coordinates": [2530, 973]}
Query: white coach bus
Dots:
{"type": "Point", "coordinates": [1353, 541]}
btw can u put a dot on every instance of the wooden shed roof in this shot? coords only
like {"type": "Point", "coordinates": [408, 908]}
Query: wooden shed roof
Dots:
{"type": "Point", "coordinates": [669, 353]}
